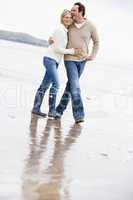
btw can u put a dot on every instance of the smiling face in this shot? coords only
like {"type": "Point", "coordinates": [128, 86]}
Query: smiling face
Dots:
{"type": "Point", "coordinates": [78, 12]}
{"type": "Point", "coordinates": [66, 19]}
{"type": "Point", "coordinates": [75, 13]}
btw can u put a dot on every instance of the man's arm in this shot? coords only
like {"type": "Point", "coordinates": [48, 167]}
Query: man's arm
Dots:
{"type": "Point", "coordinates": [95, 39]}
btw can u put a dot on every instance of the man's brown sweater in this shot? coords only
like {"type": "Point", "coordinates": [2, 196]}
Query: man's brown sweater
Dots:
{"type": "Point", "coordinates": [80, 38]}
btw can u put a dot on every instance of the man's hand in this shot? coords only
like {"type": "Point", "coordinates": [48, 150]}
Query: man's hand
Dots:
{"type": "Point", "coordinates": [89, 58]}
{"type": "Point", "coordinates": [50, 40]}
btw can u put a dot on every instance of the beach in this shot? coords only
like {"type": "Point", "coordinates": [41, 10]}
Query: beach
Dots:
{"type": "Point", "coordinates": [44, 159]}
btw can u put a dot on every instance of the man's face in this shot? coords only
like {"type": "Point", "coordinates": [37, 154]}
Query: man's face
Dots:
{"type": "Point", "coordinates": [75, 12]}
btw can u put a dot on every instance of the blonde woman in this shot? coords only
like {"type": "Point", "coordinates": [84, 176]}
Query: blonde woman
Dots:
{"type": "Point", "coordinates": [51, 61]}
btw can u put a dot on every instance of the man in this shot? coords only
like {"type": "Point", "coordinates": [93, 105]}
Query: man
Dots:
{"type": "Point", "coordinates": [79, 36]}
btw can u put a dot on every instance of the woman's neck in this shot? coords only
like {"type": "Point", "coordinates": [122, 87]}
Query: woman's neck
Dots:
{"type": "Point", "coordinates": [66, 26]}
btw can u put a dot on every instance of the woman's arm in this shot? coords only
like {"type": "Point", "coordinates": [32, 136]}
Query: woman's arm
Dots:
{"type": "Point", "coordinates": [58, 44]}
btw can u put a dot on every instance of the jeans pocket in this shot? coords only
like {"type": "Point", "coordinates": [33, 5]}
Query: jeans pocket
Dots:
{"type": "Point", "coordinates": [44, 61]}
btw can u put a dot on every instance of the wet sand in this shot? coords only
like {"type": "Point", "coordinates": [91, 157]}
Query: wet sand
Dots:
{"type": "Point", "coordinates": [44, 159]}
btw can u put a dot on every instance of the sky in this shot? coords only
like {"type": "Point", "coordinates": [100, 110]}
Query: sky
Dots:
{"type": "Point", "coordinates": [112, 18]}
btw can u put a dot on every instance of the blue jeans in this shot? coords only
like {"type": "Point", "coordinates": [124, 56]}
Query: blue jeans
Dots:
{"type": "Point", "coordinates": [74, 70]}
{"type": "Point", "coordinates": [50, 77]}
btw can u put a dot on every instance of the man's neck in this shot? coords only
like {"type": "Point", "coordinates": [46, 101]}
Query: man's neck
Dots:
{"type": "Point", "coordinates": [80, 20]}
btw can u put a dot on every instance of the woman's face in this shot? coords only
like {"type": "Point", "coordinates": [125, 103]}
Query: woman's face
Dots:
{"type": "Point", "coordinates": [67, 20]}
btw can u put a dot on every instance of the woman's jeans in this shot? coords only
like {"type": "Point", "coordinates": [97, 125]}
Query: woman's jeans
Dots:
{"type": "Point", "coordinates": [50, 77]}
{"type": "Point", "coordinates": [74, 70]}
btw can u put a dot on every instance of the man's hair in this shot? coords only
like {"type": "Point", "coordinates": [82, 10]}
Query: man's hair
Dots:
{"type": "Point", "coordinates": [81, 8]}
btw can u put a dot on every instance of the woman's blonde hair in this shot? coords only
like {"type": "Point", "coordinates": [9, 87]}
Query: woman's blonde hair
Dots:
{"type": "Point", "coordinates": [64, 13]}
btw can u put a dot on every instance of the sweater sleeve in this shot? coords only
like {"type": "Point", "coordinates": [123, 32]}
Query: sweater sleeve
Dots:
{"type": "Point", "coordinates": [59, 45]}
{"type": "Point", "coordinates": [95, 39]}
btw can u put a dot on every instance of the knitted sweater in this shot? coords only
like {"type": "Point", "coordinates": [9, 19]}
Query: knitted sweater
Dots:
{"type": "Point", "coordinates": [80, 38]}
{"type": "Point", "coordinates": [57, 50]}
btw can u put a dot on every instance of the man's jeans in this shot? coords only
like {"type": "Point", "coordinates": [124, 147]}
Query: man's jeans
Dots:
{"type": "Point", "coordinates": [51, 76]}
{"type": "Point", "coordinates": [74, 70]}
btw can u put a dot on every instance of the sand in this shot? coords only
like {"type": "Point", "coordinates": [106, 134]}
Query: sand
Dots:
{"type": "Point", "coordinates": [43, 159]}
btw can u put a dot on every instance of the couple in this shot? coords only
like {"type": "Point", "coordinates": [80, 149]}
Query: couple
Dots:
{"type": "Point", "coordinates": [70, 40]}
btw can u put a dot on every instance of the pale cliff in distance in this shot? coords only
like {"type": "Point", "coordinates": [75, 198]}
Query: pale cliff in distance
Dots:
{"type": "Point", "coordinates": [22, 38]}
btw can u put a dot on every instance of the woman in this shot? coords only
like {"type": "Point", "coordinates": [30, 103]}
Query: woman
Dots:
{"type": "Point", "coordinates": [51, 60]}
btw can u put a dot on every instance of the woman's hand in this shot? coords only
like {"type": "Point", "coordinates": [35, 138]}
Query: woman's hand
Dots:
{"type": "Point", "coordinates": [50, 40]}
{"type": "Point", "coordinates": [78, 51]}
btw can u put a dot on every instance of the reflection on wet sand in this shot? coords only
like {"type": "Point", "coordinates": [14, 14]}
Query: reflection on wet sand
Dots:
{"type": "Point", "coordinates": [44, 175]}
